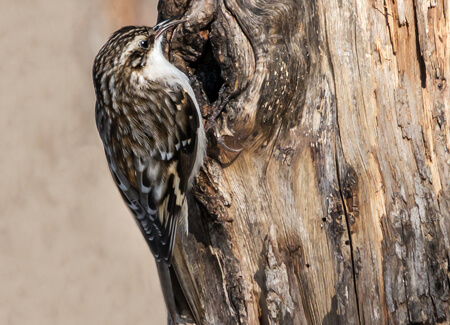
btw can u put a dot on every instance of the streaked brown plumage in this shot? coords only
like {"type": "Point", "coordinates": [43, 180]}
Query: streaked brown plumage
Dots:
{"type": "Point", "coordinates": [152, 131]}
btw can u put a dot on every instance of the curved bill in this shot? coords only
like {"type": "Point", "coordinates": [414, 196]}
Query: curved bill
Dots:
{"type": "Point", "coordinates": [161, 27]}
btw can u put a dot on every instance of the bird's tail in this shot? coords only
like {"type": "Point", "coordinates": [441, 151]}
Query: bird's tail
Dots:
{"type": "Point", "coordinates": [177, 307]}
{"type": "Point", "coordinates": [166, 287]}
{"type": "Point", "coordinates": [180, 291]}
{"type": "Point", "coordinates": [186, 280]}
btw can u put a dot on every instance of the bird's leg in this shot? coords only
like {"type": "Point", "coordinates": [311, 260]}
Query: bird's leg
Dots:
{"type": "Point", "coordinates": [211, 123]}
{"type": "Point", "coordinates": [221, 141]}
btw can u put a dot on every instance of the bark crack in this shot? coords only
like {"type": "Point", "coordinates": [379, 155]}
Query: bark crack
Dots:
{"type": "Point", "coordinates": [420, 58]}
{"type": "Point", "coordinates": [433, 303]}
{"type": "Point", "coordinates": [273, 149]}
{"type": "Point", "coordinates": [338, 178]}
{"type": "Point", "coordinates": [405, 280]}
{"type": "Point", "coordinates": [346, 215]}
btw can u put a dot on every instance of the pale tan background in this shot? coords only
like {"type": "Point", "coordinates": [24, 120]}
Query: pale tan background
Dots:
{"type": "Point", "coordinates": [70, 252]}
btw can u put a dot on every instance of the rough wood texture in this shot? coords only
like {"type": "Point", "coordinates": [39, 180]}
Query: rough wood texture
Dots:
{"type": "Point", "coordinates": [337, 211]}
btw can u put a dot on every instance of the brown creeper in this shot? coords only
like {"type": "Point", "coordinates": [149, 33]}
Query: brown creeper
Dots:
{"type": "Point", "coordinates": [152, 131]}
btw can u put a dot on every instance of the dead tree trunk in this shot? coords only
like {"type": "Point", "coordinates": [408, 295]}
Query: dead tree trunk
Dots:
{"type": "Point", "coordinates": [337, 211]}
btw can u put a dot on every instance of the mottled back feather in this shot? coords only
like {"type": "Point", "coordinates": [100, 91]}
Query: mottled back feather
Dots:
{"type": "Point", "coordinates": [153, 172]}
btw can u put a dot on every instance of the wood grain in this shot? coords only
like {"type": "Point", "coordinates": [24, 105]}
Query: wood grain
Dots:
{"type": "Point", "coordinates": [337, 211]}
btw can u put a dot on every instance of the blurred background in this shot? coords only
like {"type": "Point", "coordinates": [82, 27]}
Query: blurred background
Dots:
{"type": "Point", "coordinates": [70, 252]}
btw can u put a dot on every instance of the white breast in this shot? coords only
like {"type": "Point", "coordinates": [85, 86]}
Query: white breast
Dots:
{"type": "Point", "coordinates": [160, 70]}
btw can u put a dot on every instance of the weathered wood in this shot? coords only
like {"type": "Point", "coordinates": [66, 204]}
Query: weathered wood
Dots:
{"type": "Point", "coordinates": [338, 208]}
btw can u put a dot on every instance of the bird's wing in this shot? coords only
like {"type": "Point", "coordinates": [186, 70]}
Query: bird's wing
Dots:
{"type": "Point", "coordinates": [152, 160]}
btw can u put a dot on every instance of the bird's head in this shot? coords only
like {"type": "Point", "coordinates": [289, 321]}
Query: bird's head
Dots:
{"type": "Point", "coordinates": [131, 48]}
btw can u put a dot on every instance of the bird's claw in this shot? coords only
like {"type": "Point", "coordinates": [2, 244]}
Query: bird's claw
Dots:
{"type": "Point", "coordinates": [211, 123]}
{"type": "Point", "coordinates": [221, 141]}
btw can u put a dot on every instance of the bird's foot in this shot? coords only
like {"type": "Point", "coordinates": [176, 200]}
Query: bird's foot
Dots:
{"type": "Point", "coordinates": [212, 126]}
{"type": "Point", "coordinates": [221, 141]}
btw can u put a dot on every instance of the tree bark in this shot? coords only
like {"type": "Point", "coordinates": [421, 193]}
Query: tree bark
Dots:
{"type": "Point", "coordinates": [337, 210]}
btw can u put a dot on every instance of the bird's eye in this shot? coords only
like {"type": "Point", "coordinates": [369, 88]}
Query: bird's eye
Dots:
{"type": "Point", "coordinates": [143, 44]}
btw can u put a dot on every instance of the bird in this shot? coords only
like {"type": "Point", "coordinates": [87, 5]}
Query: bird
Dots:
{"type": "Point", "coordinates": [152, 131]}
